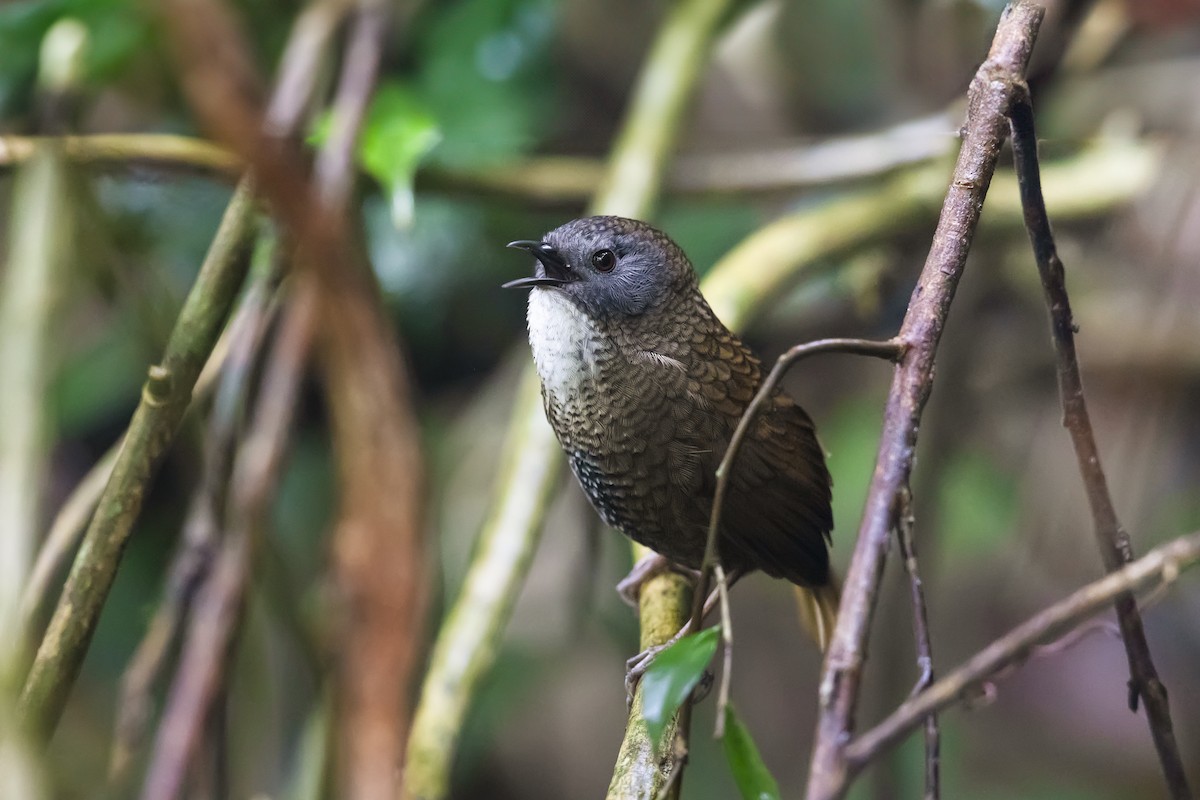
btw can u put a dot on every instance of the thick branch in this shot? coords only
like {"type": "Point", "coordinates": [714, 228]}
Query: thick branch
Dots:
{"type": "Point", "coordinates": [989, 100]}
{"type": "Point", "coordinates": [1161, 566]}
{"type": "Point", "coordinates": [165, 397]}
{"type": "Point", "coordinates": [1112, 539]}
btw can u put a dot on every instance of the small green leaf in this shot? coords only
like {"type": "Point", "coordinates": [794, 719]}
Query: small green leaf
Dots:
{"type": "Point", "coordinates": [673, 675]}
{"type": "Point", "coordinates": [751, 775]}
{"type": "Point", "coordinates": [398, 133]}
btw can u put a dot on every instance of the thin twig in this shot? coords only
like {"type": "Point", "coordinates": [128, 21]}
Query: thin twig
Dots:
{"type": "Point", "coordinates": [165, 398]}
{"type": "Point", "coordinates": [727, 647]}
{"type": "Point", "coordinates": [989, 98]}
{"type": "Point", "coordinates": [892, 350]}
{"type": "Point", "coordinates": [1160, 567]}
{"type": "Point", "coordinates": [1112, 539]}
{"type": "Point", "coordinates": [200, 540]}
{"type": "Point", "coordinates": [65, 531]}
{"type": "Point", "coordinates": [924, 644]}
{"type": "Point", "coordinates": [204, 659]}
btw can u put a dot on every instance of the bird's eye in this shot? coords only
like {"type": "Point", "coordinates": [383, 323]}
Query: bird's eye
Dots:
{"type": "Point", "coordinates": [604, 260]}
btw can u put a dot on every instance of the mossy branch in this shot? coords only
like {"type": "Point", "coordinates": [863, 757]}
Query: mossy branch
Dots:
{"type": "Point", "coordinates": [40, 236]}
{"type": "Point", "coordinates": [165, 397]}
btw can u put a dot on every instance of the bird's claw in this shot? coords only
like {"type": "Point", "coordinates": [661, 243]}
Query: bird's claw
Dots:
{"type": "Point", "coordinates": [636, 667]}
{"type": "Point", "coordinates": [649, 566]}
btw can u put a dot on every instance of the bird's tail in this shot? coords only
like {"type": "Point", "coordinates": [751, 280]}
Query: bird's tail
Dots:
{"type": "Point", "coordinates": [818, 606]}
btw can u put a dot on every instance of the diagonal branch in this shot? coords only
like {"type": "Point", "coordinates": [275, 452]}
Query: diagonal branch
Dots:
{"type": "Point", "coordinates": [205, 656]}
{"type": "Point", "coordinates": [1112, 539]}
{"type": "Point", "coordinates": [989, 99]}
{"type": "Point", "coordinates": [1160, 566]}
{"type": "Point", "coordinates": [165, 398]}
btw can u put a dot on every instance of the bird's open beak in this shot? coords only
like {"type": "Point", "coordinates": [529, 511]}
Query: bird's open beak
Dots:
{"type": "Point", "coordinates": [554, 265]}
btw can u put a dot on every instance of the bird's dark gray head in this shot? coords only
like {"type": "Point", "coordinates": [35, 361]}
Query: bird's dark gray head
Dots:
{"type": "Point", "coordinates": [608, 266]}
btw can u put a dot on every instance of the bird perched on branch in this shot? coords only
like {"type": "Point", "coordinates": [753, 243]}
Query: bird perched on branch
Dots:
{"type": "Point", "coordinates": [644, 387]}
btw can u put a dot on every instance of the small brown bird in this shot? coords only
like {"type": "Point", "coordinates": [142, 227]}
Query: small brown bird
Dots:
{"type": "Point", "coordinates": [644, 387]}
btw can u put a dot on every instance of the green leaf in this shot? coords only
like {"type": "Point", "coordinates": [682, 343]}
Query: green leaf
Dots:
{"type": "Point", "coordinates": [398, 133]}
{"type": "Point", "coordinates": [673, 675]}
{"type": "Point", "coordinates": [751, 775]}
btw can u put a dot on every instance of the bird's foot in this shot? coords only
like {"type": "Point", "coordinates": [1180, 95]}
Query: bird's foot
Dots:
{"type": "Point", "coordinates": [649, 566]}
{"type": "Point", "coordinates": [636, 667]}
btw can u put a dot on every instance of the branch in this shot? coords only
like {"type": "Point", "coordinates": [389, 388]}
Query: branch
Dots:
{"type": "Point", "coordinates": [200, 544]}
{"type": "Point", "coordinates": [205, 656]}
{"type": "Point", "coordinates": [376, 545]}
{"type": "Point", "coordinates": [1160, 566]}
{"type": "Point", "coordinates": [41, 237]}
{"type": "Point", "coordinates": [769, 261]}
{"type": "Point", "coordinates": [125, 150]}
{"type": "Point", "coordinates": [565, 180]}
{"type": "Point", "coordinates": [1112, 539]}
{"type": "Point", "coordinates": [924, 644]}
{"type": "Point", "coordinates": [165, 397]}
{"type": "Point", "coordinates": [470, 634]}
{"type": "Point", "coordinates": [989, 99]}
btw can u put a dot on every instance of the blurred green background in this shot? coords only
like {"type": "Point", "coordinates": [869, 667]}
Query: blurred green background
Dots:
{"type": "Point", "coordinates": [475, 86]}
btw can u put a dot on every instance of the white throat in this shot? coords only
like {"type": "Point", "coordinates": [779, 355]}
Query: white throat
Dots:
{"type": "Point", "coordinates": [565, 343]}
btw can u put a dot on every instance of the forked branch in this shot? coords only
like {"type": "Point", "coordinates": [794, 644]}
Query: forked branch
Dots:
{"type": "Point", "coordinates": [990, 98]}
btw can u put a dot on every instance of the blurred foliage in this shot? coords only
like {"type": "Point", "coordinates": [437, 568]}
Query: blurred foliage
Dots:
{"type": "Point", "coordinates": [978, 507]}
{"type": "Point", "coordinates": [119, 30]}
{"type": "Point", "coordinates": [475, 83]}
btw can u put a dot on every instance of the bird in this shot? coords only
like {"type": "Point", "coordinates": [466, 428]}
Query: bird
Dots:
{"type": "Point", "coordinates": [644, 387]}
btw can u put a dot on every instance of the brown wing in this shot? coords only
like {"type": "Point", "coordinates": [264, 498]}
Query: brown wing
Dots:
{"type": "Point", "coordinates": [777, 514]}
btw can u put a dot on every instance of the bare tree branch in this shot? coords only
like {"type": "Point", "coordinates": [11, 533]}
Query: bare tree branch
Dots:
{"type": "Point", "coordinates": [204, 659]}
{"type": "Point", "coordinates": [1112, 539]}
{"type": "Point", "coordinates": [200, 540]}
{"type": "Point", "coordinates": [987, 125]}
{"type": "Point", "coordinates": [924, 644]}
{"type": "Point", "coordinates": [1160, 566]}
